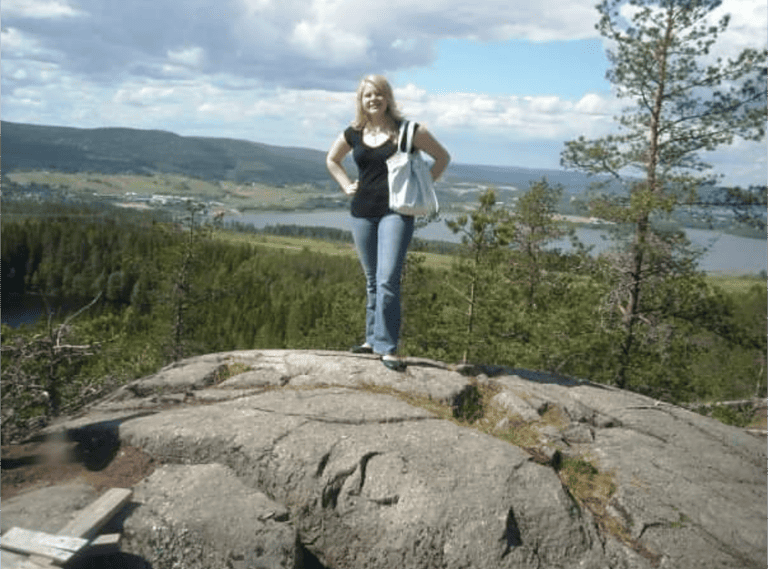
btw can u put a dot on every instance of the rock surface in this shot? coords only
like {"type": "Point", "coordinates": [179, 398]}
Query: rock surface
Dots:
{"type": "Point", "coordinates": [58, 502]}
{"type": "Point", "coordinates": [203, 516]}
{"type": "Point", "coordinates": [274, 458]}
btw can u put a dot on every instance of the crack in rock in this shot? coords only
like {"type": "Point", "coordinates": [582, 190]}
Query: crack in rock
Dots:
{"type": "Point", "coordinates": [650, 525]}
{"type": "Point", "coordinates": [324, 459]}
{"type": "Point", "coordinates": [322, 464]}
{"type": "Point", "coordinates": [356, 475]}
{"type": "Point", "coordinates": [332, 490]}
{"type": "Point", "coordinates": [511, 535]}
{"type": "Point", "coordinates": [354, 422]}
{"type": "Point", "coordinates": [363, 465]}
{"type": "Point", "coordinates": [388, 501]}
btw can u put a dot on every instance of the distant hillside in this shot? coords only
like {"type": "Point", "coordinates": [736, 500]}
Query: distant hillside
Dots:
{"type": "Point", "coordinates": [127, 150]}
{"type": "Point", "coordinates": [574, 183]}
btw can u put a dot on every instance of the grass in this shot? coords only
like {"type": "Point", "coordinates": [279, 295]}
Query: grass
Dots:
{"type": "Point", "coordinates": [735, 284]}
{"type": "Point", "coordinates": [317, 246]}
{"type": "Point", "coordinates": [586, 483]}
{"type": "Point", "coordinates": [229, 193]}
{"type": "Point", "coordinates": [731, 284]}
{"type": "Point", "coordinates": [229, 370]}
{"type": "Point", "coordinates": [588, 486]}
{"type": "Point", "coordinates": [737, 417]}
{"type": "Point", "coordinates": [120, 184]}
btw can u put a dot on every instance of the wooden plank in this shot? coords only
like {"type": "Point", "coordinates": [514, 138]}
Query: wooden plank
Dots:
{"type": "Point", "coordinates": [106, 544]}
{"type": "Point", "coordinates": [19, 536]}
{"type": "Point", "coordinates": [59, 548]}
{"type": "Point", "coordinates": [37, 562]}
{"type": "Point", "coordinates": [88, 522]}
{"type": "Point", "coordinates": [103, 545]}
{"type": "Point", "coordinates": [91, 519]}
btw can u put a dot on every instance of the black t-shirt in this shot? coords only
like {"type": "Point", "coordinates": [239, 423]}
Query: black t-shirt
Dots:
{"type": "Point", "coordinates": [372, 196]}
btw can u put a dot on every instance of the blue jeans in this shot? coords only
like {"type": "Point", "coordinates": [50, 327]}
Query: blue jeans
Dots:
{"type": "Point", "coordinates": [382, 243]}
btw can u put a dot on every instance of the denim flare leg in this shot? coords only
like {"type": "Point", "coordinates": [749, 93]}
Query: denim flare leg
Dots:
{"type": "Point", "coordinates": [382, 244]}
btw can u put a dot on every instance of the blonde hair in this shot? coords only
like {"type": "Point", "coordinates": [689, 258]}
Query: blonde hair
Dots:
{"type": "Point", "coordinates": [382, 86]}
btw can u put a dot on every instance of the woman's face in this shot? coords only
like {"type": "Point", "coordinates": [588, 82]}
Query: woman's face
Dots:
{"type": "Point", "coordinates": [374, 102]}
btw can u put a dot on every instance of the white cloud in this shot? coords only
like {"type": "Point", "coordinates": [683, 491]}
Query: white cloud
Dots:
{"type": "Point", "coordinates": [41, 9]}
{"type": "Point", "coordinates": [545, 105]}
{"type": "Point", "coordinates": [747, 27]}
{"type": "Point", "coordinates": [192, 57]}
{"type": "Point", "coordinates": [302, 43]}
{"type": "Point", "coordinates": [410, 93]}
{"type": "Point", "coordinates": [141, 96]}
{"type": "Point", "coordinates": [19, 44]}
{"type": "Point", "coordinates": [27, 96]}
{"type": "Point", "coordinates": [592, 104]}
{"type": "Point", "coordinates": [744, 161]}
{"type": "Point", "coordinates": [516, 118]}
{"type": "Point", "coordinates": [283, 72]}
{"type": "Point", "coordinates": [485, 104]}
{"type": "Point", "coordinates": [328, 44]}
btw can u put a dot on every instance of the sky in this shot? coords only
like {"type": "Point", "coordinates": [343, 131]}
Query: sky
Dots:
{"type": "Point", "coordinates": [497, 82]}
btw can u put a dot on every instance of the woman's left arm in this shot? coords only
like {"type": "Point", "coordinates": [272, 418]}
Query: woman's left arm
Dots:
{"type": "Point", "coordinates": [423, 140]}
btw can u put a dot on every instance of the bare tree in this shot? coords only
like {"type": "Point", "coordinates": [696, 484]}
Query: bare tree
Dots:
{"type": "Point", "coordinates": [34, 374]}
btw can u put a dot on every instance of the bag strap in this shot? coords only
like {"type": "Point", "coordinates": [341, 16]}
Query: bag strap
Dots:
{"type": "Point", "coordinates": [401, 137]}
{"type": "Point", "coordinates": [411, 131]}
{"type": "Point", "coordinates": [405, 138]}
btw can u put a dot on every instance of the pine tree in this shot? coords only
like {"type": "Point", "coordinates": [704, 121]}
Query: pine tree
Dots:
{"type": "Point", "coordinates": [484, 232]}
{"type": "Point", "coordinates": [535, 225]}
{"type": "Point", "coordinates": [685, 103]}
{"type": "Point", "coordinates": [182, 285]}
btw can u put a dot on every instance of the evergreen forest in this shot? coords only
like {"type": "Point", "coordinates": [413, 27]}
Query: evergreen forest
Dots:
{"type": "Point", "coordinates": [129, 293]}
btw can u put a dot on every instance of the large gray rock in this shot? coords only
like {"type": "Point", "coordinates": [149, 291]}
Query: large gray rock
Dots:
{"type": "Point", "coordinates": [368, 480]}
{"type": "Point", "coordinates": [373, 482]}
{"type": "Point", "coordinates": [690, 490]}
{"type": "Point", "coordinates": [204, 516]}
{"type": "Point", "coordinates": [263, 369]}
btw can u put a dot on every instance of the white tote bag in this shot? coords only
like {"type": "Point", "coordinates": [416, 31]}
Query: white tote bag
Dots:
{"type": "Point", "coordinates": [411, 190]}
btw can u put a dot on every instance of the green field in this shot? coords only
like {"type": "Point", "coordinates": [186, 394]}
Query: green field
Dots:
{"type": "Point", "coordinates": [318, 246]}
{"type": "Point", "coordinates": [736, 284]}
{"type": "Point", "coordinates": [729, 283]}
{"type": "Point", "coordinates": [231, 194]}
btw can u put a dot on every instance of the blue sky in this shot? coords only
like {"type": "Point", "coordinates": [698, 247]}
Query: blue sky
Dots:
{"type": "Point", "coordinates": [497, 82]}
{"type": "Point", "coordinates": [505, 67]}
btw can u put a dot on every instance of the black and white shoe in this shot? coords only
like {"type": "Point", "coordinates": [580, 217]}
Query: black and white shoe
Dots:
{"type": "Point", "coordinates": [394, 363]}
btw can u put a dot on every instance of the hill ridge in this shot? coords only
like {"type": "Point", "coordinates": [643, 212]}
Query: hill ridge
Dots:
{"type": "Point", "coordinates": [127, 150]}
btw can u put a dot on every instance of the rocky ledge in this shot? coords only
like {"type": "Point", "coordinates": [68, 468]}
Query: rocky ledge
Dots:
{"type": "Point", "coordinates": [303, 459]}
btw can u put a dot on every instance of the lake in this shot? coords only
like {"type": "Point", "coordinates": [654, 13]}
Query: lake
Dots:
{"type": "Point", "coordinates": [28, 309]}
{"type": "Point", "coordinates": [724, 253]}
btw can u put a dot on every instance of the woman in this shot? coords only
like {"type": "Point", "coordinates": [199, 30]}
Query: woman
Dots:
{"type": "Point", "coordinates": [381, 235]}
